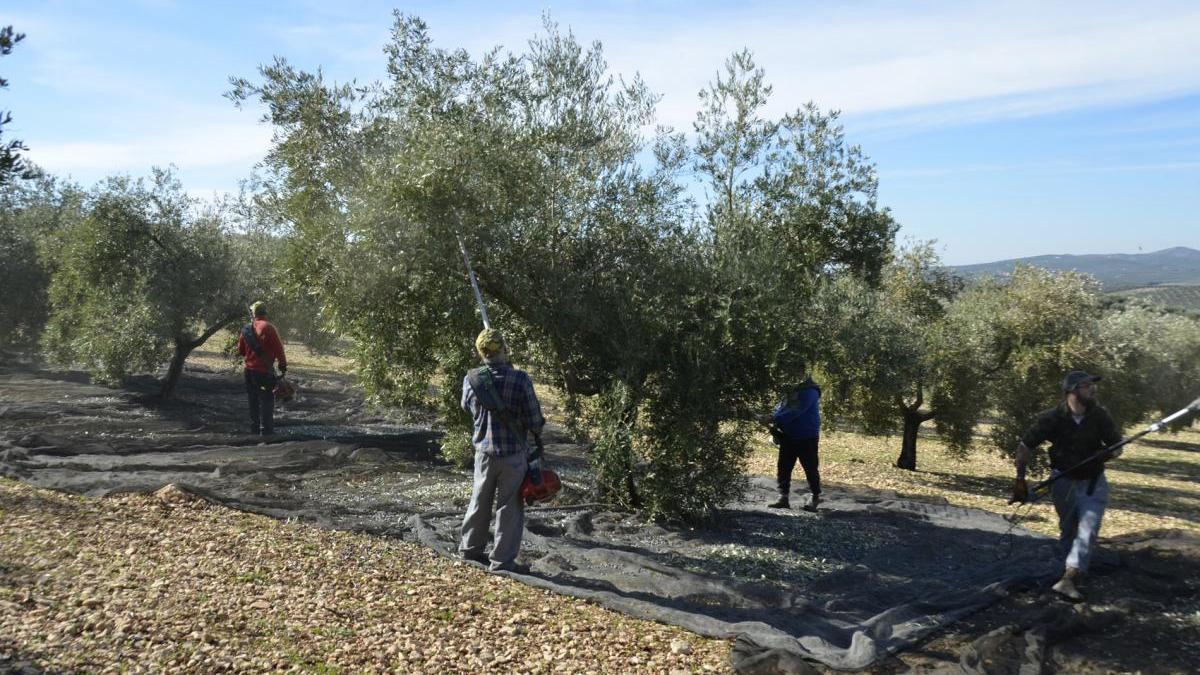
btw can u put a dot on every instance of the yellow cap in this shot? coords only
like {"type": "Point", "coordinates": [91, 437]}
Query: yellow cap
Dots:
{"type": "Point", "coordinates": [489, 342]}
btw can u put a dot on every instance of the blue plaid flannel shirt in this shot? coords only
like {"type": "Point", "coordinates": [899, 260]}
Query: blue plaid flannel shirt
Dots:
{"type": "Point", "coordinates": [492, 436]}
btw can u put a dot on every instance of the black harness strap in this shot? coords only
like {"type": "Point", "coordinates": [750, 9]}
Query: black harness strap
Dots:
{"type": "Point", "coordinates": [252, 340]}
{"type": "Point", "coordinates": [265, 381]}
{"type": "Point", "coordinates": [481, 383]}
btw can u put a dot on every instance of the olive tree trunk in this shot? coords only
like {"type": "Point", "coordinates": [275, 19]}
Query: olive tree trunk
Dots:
{"type": "Point", "coordinates": [913, 418]}
{"type": "Point", "coordinates": [185, 344]}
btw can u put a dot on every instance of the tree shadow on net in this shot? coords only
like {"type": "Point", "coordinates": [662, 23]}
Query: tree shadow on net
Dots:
{"type": "Point", "coordinates": [780, 569]}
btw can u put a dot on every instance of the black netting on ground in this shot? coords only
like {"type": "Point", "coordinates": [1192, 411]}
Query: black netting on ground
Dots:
{"type": "Point", "coordinates": [867, 576]}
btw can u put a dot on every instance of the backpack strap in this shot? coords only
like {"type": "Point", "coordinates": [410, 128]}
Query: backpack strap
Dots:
{"type": "Point", "coordinates": [252, 340]}
{"type": "Point", "coordinates": [484, 387]}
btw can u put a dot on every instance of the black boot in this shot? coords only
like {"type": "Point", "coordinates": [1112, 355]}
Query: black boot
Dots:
{"type": "Point", "coordinates": [811, 506]}
{"type": "Point", "coordinates": [781, 503]}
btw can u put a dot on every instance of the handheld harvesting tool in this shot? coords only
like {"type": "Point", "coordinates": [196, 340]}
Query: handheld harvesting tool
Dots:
{"type": "Point", "coordinates": [474, 283]}
{"type": "Point", "coordinates": [1043, 488]}
{"type": "Point", "coordinates": [540, 484]}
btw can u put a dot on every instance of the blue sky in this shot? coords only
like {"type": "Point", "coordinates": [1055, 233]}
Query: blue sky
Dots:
{"type": "Point", "coordinates": [1000, 129]}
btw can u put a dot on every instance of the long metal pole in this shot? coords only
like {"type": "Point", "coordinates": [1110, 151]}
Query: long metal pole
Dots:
{"type": "Point", "coordinates": [535, 459]}
{"type": "Point", "coordinates": [474, 284]}
{"type": "Point", "coordinates": [1043, 487]}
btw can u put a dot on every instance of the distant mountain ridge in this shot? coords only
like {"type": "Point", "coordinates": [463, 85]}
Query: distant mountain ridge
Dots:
{"type": "Point", "coordinates": [1115, 271]}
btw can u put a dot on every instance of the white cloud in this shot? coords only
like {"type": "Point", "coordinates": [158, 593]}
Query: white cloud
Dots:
{"type": "Point", "coordinates": [893, 67]}
{"type": "Point", "coordinates": [1040, 167]}
{"type": "Point", "coordinates": [974, 60]}
{"type": "Point", "coordinates": [188, 147]}
{"type": "Point", "coordinates": [1148, 166]}
{"type": "Point", "coordinates": [941, 171]}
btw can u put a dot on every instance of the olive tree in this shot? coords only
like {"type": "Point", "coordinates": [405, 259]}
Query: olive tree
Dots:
{"type": "Point", "coordinates": [591, 259]}
{"type": "Point", "coordinates": [12, 165]}
{"type": "Point", "coordinates": [31, 212]}
{"type": "Point", "coordinates": [906, 353]}
{"type": "Point", "coordinates": [140, 280]}
{"type": "Point", "coordinates": [923, 348]}
{"type": "Point", "coordinates": [259, 247]}
{"type": "Point", "coordinates": [1148, 360]}
{"type": "Point", "coordinates": [1040, 325]}
{"type": "Point", "coordinates": [790, 205]}
{"type": "Point", "coordinates": [1173, 371]}
{"type": "Point", "coordinates": [1050, 323]}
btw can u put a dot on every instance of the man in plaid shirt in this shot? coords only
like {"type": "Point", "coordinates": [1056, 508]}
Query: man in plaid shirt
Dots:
{"type": "Point", "coordinates": [501, 455]}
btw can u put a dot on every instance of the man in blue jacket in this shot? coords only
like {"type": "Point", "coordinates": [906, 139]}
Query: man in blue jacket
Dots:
{"type": "Point", "coordinates": [796, 429]}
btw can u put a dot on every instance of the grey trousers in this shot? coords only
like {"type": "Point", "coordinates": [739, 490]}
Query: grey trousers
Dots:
{"type": "Point", "coordinates": [1079, 516]}
{"type": "Point", "coordinates": [498, 481]}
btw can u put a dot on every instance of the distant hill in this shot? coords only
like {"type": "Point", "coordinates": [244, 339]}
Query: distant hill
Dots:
{"type": "Point", "coordinates": [1115, 271]}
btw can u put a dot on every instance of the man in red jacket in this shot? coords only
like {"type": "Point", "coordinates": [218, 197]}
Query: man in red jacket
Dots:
{"type": "Point", "coordinates": [259, 342]}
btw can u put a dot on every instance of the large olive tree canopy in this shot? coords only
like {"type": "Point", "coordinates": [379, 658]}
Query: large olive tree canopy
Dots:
{"type": "Point", "coordinates": [666, 277]}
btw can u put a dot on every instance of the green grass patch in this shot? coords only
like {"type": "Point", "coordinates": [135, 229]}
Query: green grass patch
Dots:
{"type": "Point", "coordinates": [1155, 483]}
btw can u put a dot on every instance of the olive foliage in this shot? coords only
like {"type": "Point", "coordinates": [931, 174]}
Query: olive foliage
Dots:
{"type": "Point", "coordinates": [925, 346]}
{"type": "Point", "coordinates": [31, 212]}
{"type": "Point", "coordinates": [12, 164]}
{"type": "Point", "coordinates": [665, 320]}
{"type": "Point", "coordinates": [140, 280]}
{"type": "Point", "coordinates": [259, 247]}
{"type": "Point", "coordinates": [906, 353]}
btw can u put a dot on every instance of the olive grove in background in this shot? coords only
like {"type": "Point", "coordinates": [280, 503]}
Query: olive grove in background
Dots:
{"type": "Point", "coordinates": [140, 279]}
{"type": "Point", "coordinates": [927, 347]}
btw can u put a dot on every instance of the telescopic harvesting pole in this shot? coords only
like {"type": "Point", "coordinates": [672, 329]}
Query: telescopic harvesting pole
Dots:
{"type": "Point", "coordinates": [535, 470]}
{"type": "Point", "coordinates": [474, 284]}
{"type": "Point", "coordinates": [1041, 489]}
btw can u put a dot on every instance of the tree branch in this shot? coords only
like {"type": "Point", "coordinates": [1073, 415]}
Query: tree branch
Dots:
{"type": "Point", "coordinates": [212, 330]}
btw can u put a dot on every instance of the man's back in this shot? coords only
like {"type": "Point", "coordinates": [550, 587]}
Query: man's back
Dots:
{"type": "Point", "coordinates": [493, 435]}
{"type": "Point", "coordinates": [268, 342]}
{"type": "Point", "coordinates": [799, 414]}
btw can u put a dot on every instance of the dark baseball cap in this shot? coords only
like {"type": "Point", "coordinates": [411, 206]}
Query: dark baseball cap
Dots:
{"type": "Point", "coordinates": [1076, 378]}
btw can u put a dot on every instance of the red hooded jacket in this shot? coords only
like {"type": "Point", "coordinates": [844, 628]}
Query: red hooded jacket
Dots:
{"type": "Point", "coordinates": [268, 341]}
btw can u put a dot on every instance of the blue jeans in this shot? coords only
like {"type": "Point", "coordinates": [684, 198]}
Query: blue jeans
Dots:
{"type": "Point", "coordinates": [1079, 516]}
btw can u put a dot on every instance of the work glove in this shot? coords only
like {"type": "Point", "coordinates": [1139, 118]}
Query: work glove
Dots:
{"type": "Point", "coordinates": [1114, 454]}
{"type": "Point", "coordinates": [1020, 493]}
{"type": "Point", "coordinates": [777, 436]}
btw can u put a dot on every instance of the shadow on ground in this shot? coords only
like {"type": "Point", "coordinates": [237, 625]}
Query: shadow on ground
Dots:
{"type": "Point", "coordinates": [1169, 444]}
